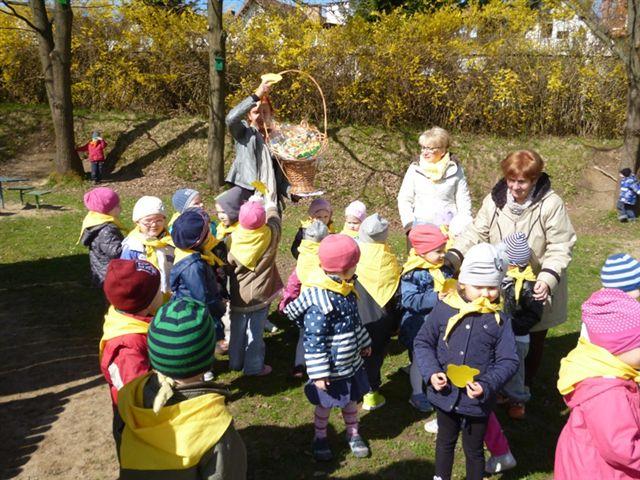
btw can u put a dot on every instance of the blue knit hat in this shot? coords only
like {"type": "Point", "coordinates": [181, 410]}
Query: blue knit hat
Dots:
{"type": "Point", "coordinates": [518, 249]}
{"type": "Point", "coordinates": [182, 198]}
{"type": "Point", "coordinates": [621, 271]}
{"type": "Point", "coordinates": [190, 229]}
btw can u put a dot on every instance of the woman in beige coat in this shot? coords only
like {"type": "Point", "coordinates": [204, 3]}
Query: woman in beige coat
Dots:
{"type": "Point", "coordinates": [523, 201]}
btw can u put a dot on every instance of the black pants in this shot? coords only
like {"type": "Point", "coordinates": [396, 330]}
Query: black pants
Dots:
{"type": "Point", "coordinates": [534, 357]}
{"type": "Point", "coordinates": [473, 429]}
{"type": "Point", "coordinates": [380, 333]}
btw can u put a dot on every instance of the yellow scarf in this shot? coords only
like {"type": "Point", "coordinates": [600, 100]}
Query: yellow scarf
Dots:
{"type": "Point", "coordinates": [306, 223]}
{"type": "Point", "coordinates": [378, 271]}
{"type": "Point", "coordinates": [415, 261]}
{"type": "Point", "coordinates": [308, 260]}
{"type": "Point", "coordinates": [150, 244]}
{"type": "Point", "coordinates": [173, 219]}
{"type": "Point", "coordinates": [435, 171]}
{"type": "Point", "coordinates": [319, 279]}
{"type": "Point", "coordinates": [520, 276]}
{"type": "Point", "coordinates": [95, 218]}
{"type": "Point", "coordinates": [247, 246]}
{"type": "Point", "coordinates": [206, 253]}
{"type": "Point", "coordinates": [117, 324]}
{"type": "Point", "coordinates": [480, 305]}
{"type": "Point", "coordinates": [588, 361]}
{"type": "Point", "coordinates": [349, 232]}
{"type": "Point", "coordinates": [174, 439]}
{"type": "Point", "coordinates": [222, 231]}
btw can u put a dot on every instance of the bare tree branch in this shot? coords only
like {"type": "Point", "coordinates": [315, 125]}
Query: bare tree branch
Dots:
{"type": "Point", "coordinates": [18, 28]}
{"type": "Point", "coordinates": [14, 13]}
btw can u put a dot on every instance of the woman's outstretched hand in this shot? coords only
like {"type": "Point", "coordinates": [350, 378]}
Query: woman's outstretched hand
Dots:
{"type": "Point", "coordinates": [263, 89]}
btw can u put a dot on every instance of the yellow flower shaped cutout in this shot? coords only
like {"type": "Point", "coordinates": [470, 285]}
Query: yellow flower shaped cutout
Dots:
{"type": "Point", "coordinates": [271, 78]}
{"type": "Point", "coordinates": [260, 187]}
{"type": "Point", "coordinates": [460, 375]}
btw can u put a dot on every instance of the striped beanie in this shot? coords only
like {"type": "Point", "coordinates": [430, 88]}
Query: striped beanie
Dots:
{"type": "Point", "coordinates": [518, 250]}
{"type": "Point", "coordinates": [181, 339]}
{"type": "Point", "coordinates": [621, 271]}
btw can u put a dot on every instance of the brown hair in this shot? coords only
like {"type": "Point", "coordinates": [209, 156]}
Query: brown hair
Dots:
{"type": "Point", "coordinates": [527, 163]}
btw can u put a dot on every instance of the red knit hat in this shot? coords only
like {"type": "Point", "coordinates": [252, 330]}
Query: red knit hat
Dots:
{"type": "Point", "coordinates": [338, 253]}
{"type": "Point", "coordinates": [426, 238]}
{"type": "Point", "coordinates": [131, 285]}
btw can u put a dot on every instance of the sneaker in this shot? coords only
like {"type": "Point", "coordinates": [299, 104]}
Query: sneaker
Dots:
{"type": "Point", "coordinates": [298, 371]}
{"type": "Point", "coordinates": [358, 447]}
{"type": "Point", "coordinates": [266, 370]}
{"type": "Point", "coordinates": [516, 410]}
{"type": "Point", "coordinates": [321, 450]}
{"type": "Point", "coordinates": [420, 403]}
{"type": "Point", "coordinates": [431, 426]}
{"type": "Point", "coordinates": [270, 327]}
{"type": "Point", "coordinates": [500, 463]}
{"type": "Point", "coordinates": [372, 401]}
{"type": "Point", "coordinates": [208, 376]}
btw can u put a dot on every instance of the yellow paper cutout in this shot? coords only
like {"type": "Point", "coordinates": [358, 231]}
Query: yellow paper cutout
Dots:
{"type": "Point", "coordinates": [450, 285]}
{"type": "Point", "coordinates": [260, 187]}
{"type": "Point", "coordinates": [460, 375]}
{"type": "Point", "coordinates": [271, 78]}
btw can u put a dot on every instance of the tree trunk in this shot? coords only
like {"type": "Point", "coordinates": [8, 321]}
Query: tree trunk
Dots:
{"type": "Point", "coordinates": [215, 142]}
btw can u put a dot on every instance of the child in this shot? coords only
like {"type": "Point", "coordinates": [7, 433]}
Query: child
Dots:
{"type": "Point", "coordinates": [629, 191]}
{"type": "Point", "coordinates": [378, 290]}
{"type": "Point", "coordinates": [228, 206]}
{"type": "Point", "coordinates": [467, 328]}
{"type": "Point", "coordinates": [133, 290]}
{"type": "Point", "coordinates": [334, 342]}
{"type": "Point", "coordinates": [172, 424]}
{"type": "Point", "coordinates": [95, 147]}
{"type": "Point", "coordinates": [184, 198]}
{"type": "Point", "coordinates": [422, 282]}
{"type": "Point", "coordinates": [149, 240]}
{"type": "Point", "coordinates": [599, 380]}
{"type": "Point", "coordinates": [193, 274]}
{"type": "Point", "coordinates": [354, 214]}
{"type": "Point", "coordinates": [255, 282]}
{"type": "Point", "coordinates": [101, 231]}
{"type": "Point", "coordinates": [308, 262]}
{"type": "Point", "coordinates": [320, 209]}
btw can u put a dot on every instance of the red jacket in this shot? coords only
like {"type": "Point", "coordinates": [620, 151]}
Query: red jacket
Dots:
{"type": "Point", "coordinates": [125, 358]}
{"type": "Point", "coordinates": [95, 149]}
{"type": "Point", "coordinates": [602, 436]}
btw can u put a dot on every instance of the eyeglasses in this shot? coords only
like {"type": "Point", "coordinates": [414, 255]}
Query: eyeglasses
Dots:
{"type": "Point", "coordinates": [430, 149]}
{"type": "Point", "coordinates": [152, 223]}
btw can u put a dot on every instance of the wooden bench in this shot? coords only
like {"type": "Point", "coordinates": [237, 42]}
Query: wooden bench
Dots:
{"type": "Point", "coordinates": [22, 189]}
{"type": "Point", "coordinates": [37, 194]}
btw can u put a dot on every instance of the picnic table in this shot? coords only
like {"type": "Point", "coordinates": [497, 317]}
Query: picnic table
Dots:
{"type": "Point", "coordinates": [8, 180]}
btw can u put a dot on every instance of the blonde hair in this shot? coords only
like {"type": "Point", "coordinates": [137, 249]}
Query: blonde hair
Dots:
{"type": "Point", "coordinates": [438, 136]}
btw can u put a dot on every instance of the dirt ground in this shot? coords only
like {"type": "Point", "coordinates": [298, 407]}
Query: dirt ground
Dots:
{"type": "Point", "coordinates": [54, 408]}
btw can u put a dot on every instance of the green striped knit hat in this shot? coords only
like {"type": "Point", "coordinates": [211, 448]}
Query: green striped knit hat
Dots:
{"type": "Point", "coordinates": [181, 339]}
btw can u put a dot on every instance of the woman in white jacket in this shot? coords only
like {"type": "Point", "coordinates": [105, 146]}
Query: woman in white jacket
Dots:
{"type": "Point", "coordinates": [434, 187]}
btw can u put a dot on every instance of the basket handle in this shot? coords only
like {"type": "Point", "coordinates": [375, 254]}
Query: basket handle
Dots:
{"type": "Point", "coordinates": [324, 102]}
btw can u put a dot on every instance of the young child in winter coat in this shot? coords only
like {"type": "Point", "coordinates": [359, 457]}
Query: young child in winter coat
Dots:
{"type": "Point", "coordinates": [150, 240]}
{"type": "Point", "coordinates": [95, 147]}
{"type": "Point", "coordinates": [320, 209]}
{"type": "Point", "coordinates": [422, 284]}
{"type": "Point", "coordinates": [308, 262]}
{"type": "Point", "coordinates": [334, 343]}
{"type": "Point", "coordinates": [354, 214]}
{"type": "Point", "coordinates": [466, 353]}
{"type": "Point", "coordinates": [228, 205]}
{"type": "Point", "coordinates": [184, 198]}
{"type": "Point", "coordinates": [171, 423]}
{"type": "Point", "coordinates": [629, 191]}
{"type": "Point", "coordinates": [132, 287]}
{"type": "Point", "coordinates": [101, 231]}
{"type": "Point", "coordinates": [255, 283]}
{"type": "Point", "coordinates": [599, 380]}
{"type": "Point", "coordinates": [377, 285]}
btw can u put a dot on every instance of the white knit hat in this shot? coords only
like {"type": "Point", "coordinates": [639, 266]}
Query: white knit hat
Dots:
{"type": "Point", "coordinates": [146, 206]}
{"type": "Point", "coordinates": [484, 265]}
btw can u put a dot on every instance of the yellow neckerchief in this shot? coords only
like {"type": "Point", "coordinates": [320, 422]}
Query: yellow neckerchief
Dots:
{"type": "Point", "coordinates": [247, 246]}
{"type": "Point", "coordinates": [520, 276]}
{"type": "Point", "coordinates": [308, 260]}
{"type": "Point", "coordinates": [173, 219]}
{"type": "Point", "coordinates": [96, 218]}
{"type": "Point", "coordinates": [588, 361]}
{"type": "Point", "coordinates": [435, 171]}
{"type": "Point", "coordinates": [415, 261]}
{"type": "Point", "coordinates": [479, 305]}
{"type": "Point", "coordinates": [450, 240]}
{"type": "Point", "coordinates": [306, 223]}
{"type": "Point", "coordinates": [319, 279]}
{"type": "Point", "coordinates": [222, 231]}
{"type": "Point", "coordinates": [174, 439]}
{"type": "Point", "coordinates": [150, 245]}
{"type": "Point", "coordinates": [117, 324]}
{"type": "Point", "coordinates": [349, 232]}
{"type": "Point", "coordinates": [378, 271]}
{"type": "Point", "coordinates": [206, 253]}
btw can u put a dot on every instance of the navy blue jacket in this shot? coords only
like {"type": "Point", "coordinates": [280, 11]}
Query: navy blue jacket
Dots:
{"type": "Point", "coordinates": [477, 341]}
{"type": "Point", "coordinates": [194, 278]}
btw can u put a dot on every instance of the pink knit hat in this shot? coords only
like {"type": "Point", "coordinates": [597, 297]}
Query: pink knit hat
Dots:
{"type": "Point", "coordinates": [612, 319]}
{"type": "Point", "coordinates": [338, 253]}
{"type": "Point", "coordinates": [319, 204]}
{"type": "Point", "coordinates": [356, 209]}
{"type": "Point", "coordinates": [426, 238]}
{"type": "Point", "coordinates": [101, 200]}
{"type": "Point", "coordinates": [252, 215]}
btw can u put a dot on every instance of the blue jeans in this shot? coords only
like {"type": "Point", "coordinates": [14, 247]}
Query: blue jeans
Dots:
{"type": "Point", "coordinates": [515, 388]}
{"type": "Point", "coordinates": [96, 171]}
{"type": "Point", "coordinates": [246, 346]}
{"type": "Point", "coordinates": [626, 211]}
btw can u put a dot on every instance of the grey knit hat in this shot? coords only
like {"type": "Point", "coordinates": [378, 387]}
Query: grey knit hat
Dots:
{"type": "Point", "coordinates": [374, 229]}
{"type": "Point", "coordinates": [484, 265]}
{"type": "Point", "coordinates": [316, 231]}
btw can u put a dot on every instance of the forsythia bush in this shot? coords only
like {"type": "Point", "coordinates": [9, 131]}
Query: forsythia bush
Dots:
{"type": "Point", "coordinates": [476, 68]}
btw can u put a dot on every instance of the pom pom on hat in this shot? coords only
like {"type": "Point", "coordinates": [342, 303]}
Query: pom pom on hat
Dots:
{"type": "Point", "coordinates": [101, 200]}
{"type": "Point", "coordinates": [338, 253]}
